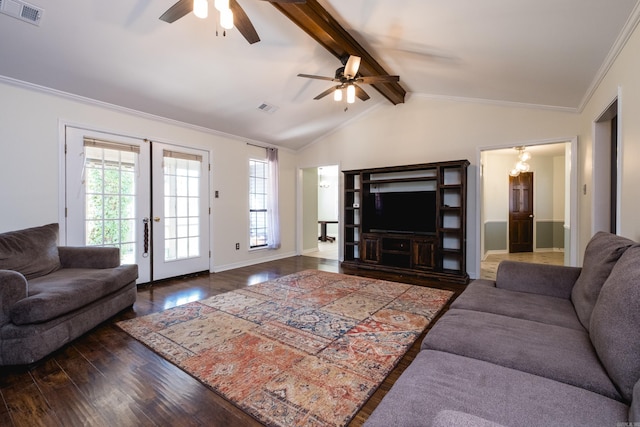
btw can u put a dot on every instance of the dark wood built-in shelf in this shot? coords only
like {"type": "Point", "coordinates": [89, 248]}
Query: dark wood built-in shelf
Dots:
{"type": "Point", "coordinates": [439, 253]}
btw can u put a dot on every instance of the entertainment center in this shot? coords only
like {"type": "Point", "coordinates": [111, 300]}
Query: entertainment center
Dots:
{"type": "Point", "coordinates": [408, 219]}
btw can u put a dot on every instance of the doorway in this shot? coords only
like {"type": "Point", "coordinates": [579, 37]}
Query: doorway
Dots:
{"type": "Point", "coordinates": [554, 205]}
{"type": "Point", "coordinates": [148, 199]}
{"type": "Point", "coordinates": [320, 212]}
{"type": "Point", "coordinates": [606, 171]}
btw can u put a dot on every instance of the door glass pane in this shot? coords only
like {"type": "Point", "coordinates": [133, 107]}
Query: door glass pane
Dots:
{"type": "Point", "coordinates": [182, 208]}
{"type": "Point", "coordinates": [110, 200]}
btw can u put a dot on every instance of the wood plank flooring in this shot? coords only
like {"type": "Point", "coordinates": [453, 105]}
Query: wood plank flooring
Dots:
{"type": "Point", "coordinates": [107, 378]}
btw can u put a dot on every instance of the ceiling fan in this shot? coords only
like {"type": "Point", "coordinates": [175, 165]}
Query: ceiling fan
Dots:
{"type": "Point", "coordinates": [348, 77]}
{"type": "Point", "coordinates": [230, 11]}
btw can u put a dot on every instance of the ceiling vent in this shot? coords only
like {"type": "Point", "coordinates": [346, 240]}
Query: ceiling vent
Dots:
{"type": "Point", "coordinates": [23, 11]}
{"type": "Point", "coordinates": [268, 108]}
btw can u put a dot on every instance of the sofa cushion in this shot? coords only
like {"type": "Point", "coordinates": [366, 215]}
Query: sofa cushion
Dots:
{"type": "Point", "coordinates": [601, 254]}
{"type": "Point", "coordinates": [69, 289]}
{"type": "Point", "coordinates": [32, 252]}
{"type": "Point", "coordinates": [615, 323]}
{"type": "Point", "coordinates": [437, 381]}
{"type": "Point", "coordinates": [482, 295]}
{"type": "Point", "coordinates": [550, 351]}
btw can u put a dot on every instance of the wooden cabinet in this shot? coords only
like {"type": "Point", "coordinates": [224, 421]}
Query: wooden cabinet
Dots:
{"type": "Point", "coordinates": [408, 219]}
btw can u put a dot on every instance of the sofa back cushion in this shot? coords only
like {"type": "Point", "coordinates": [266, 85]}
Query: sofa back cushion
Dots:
{"type": "Point", "coordinates": [32, 251]}
{"type": "Point", "coordinates": [601, 254]}
{"type": "Point", "coordinates": [615, 323]}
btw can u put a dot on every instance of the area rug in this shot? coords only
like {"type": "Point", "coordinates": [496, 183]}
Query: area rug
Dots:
{"type": "Point", "coordinates": [306, 349]}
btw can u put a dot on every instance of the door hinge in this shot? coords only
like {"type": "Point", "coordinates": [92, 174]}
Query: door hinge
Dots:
{"type": "Point", "coordinates": [66, 212]}
{"type": "Point", "coordinates": [209, 211]}
{"type": "Point", "coordinates": [209, 254]}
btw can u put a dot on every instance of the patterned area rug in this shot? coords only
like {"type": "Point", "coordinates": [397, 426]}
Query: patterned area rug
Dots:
{"type": "Point", "coordinates": [305, 349]}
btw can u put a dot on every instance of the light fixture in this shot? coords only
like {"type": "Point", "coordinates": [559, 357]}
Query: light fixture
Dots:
{"type": "Point", "coordinates": [351, 94]}
{"type": "Point", "coordinates": [201, 8]}
{"type": "Point", "coordinates": [226, 19]}
{"type": "Point", "coordinates": [337, 94]}
{"type": "Point", "coordinates": [221, 5]}
{"type": "Point", "coordinates": [522, 165]}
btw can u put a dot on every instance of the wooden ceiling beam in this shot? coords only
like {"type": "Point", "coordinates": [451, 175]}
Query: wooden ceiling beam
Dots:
{"type": "Point", "coordinates": [316, 21]}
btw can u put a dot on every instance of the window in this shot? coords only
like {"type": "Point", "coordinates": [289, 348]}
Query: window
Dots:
{"type": "Point", "coordinates": [181, 205]}
{"type": "Point", "coordinates": [110, 176]}
{"type": "Point", "coordinates": [258, 233]}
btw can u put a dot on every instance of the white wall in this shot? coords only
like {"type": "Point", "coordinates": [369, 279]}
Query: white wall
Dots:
{"type": "Point", "coordinates": [30, 166]}
{"type": "Point", "coordinates": [621, 80]}
{"type": "Point", "coordinates": [429, 130]}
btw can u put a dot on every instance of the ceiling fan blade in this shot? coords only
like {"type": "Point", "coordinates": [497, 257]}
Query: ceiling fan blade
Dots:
{"type": "Point", "coordinates": [243, 23]}
{"type": "Point", "coordinates": [378, 79]}
{"type": "Point", "coordinates": [325, 93]}
{"type": "Point", "coordinates": [311, 76]}
{"type": "Point", "coordinates": [360, 93]}
{"type": "Point", "coordinates": [177, 11]}
{"type": "Point", "coordinates": [352, 66]}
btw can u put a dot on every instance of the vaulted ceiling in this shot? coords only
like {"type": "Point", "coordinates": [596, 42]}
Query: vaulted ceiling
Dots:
{"type": "Point", "coordinates": [544, 53]}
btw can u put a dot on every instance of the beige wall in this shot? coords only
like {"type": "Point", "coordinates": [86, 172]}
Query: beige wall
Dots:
{"type": "Point", "coordinates": [31, 163]}
{"type": "Point", "coordinates": [426, 129]}
{"type": "Point", "coordinates": [621, 79]}
{"type": "Point", "coordinates": [429, 130]}
{"type": "Point", "coordinates": [423, 129]}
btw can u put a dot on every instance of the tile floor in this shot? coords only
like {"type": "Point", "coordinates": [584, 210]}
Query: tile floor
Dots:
{"type": "Point", "coordinates": [489, 266]}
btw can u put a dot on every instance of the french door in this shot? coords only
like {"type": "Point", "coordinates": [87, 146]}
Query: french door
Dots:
{"type": "Point", "coordinates": [146, 198]}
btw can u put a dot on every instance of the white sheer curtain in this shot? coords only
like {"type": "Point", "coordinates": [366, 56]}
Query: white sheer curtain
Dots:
{"type": "Point", "coordinates": [273, 213]}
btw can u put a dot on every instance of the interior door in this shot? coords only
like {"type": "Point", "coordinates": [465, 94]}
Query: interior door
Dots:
{"type": "Point", "coordinates": [111, 182]}
{"type": "Point", "coordinates": [521, 213]}
{"type": "Point", "coordinates": [180, 210]}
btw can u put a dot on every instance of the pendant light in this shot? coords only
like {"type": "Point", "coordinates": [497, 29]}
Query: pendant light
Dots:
{"type": "Point", "coordinates": [521, 165]}
{"type": "Point", "coordinates": [201, 8]}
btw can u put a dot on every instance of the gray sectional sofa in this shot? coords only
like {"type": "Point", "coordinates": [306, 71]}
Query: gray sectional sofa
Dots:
{"type": "Point", "coordinates": [50, 295]}
{"type": "Point", "coordinates": [541, 345]}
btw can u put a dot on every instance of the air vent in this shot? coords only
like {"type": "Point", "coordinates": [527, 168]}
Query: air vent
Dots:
{"type": "Point", "coordinates": [23, 11]}
{"type": "Point", "coordinates": [268, 108]}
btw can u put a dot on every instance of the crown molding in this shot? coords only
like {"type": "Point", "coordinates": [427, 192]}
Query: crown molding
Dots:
{"type": "Point", "coordinates": [618, 46]}
{"type": "Point", "coordinates": [129, 111]}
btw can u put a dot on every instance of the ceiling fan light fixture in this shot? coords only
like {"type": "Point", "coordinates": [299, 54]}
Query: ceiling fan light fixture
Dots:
{"type": "Point", "coordinates": [351, 94]}
{"type": "Point", "coordinates": [221, 5]}
{"type": "Point", "coordinates": [337, 94]}
{"type": "Point", "coordinates": [226, 19]}
{"type": "Point", "coordinates": [201, 8]}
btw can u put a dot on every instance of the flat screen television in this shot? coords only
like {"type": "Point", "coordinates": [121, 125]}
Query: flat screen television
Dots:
{"type": "Point", "coordinates": [401, 212]}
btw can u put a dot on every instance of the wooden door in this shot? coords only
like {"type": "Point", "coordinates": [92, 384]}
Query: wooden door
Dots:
{"type": "Point", "coordinates": [370, 249]}
{"type": "Point", "coordinates": [424, 253]}
{"type": "Point", "coordinates": [521, 213]}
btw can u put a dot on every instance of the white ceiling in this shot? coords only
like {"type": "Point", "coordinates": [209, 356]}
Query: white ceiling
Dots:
{"type": "Point", "coordinates": [541, 52]}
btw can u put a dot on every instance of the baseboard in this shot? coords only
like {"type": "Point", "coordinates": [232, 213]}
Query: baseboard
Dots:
{"type": "Point", "coordinates": [247, 263]}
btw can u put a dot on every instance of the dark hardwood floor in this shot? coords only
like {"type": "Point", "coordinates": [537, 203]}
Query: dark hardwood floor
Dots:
{"type": "Point", "coordinates": [107, 378]}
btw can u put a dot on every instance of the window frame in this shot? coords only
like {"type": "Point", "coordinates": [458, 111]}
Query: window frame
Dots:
{"type": "Point", "coordinates": [258, 190]}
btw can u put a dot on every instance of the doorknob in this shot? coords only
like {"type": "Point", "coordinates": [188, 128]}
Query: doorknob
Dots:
{"type": "Point", "coordinates": [156, 218]}
{"type": "Point", "coordinates": [530, 216]}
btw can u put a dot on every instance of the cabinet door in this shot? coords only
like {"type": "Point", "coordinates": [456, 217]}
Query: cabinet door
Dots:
{"type": "Point", "coordinates": [370, 249]}
{"type": "Point", "coordinates": [424, 253]}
